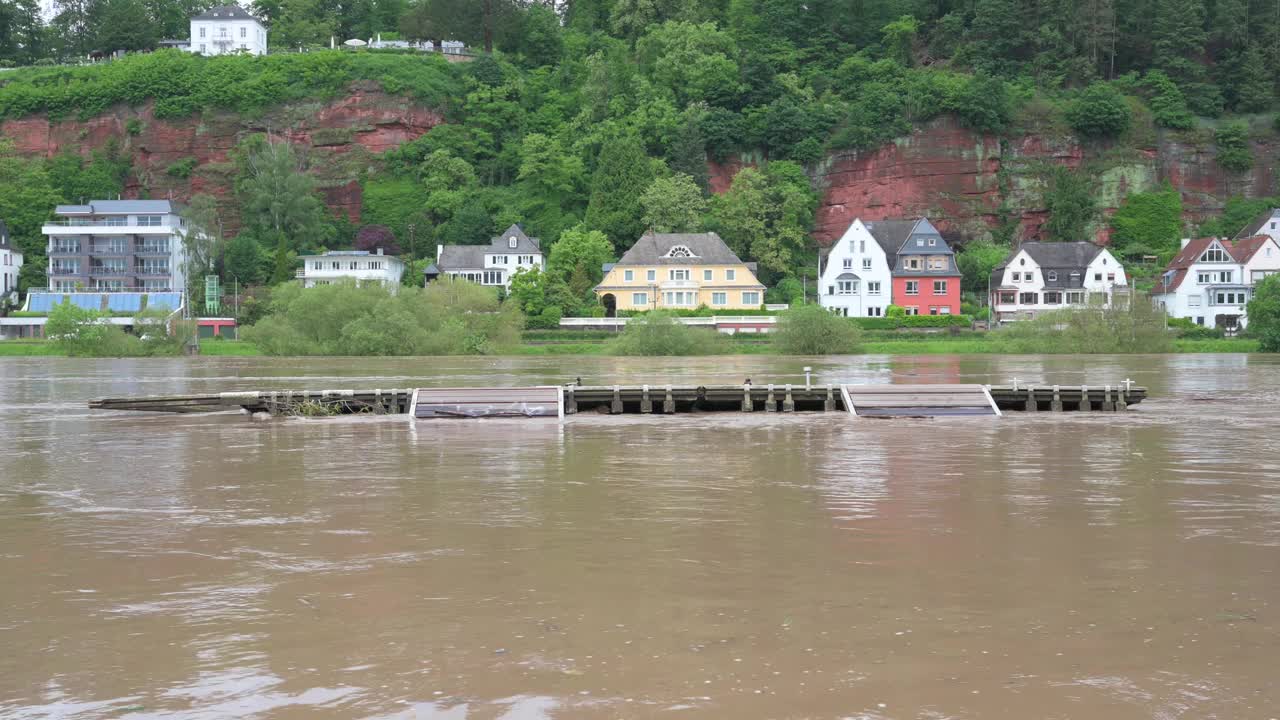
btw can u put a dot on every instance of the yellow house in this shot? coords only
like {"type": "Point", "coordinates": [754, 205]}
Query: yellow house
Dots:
{"type": "Point", "coordinates": [680, 271]}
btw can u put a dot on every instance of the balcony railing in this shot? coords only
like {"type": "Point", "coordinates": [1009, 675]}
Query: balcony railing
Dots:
{"type": "Point", "coordinates": [87, 222]}
{"type": "Point", "coordinates": [109, 250]}
{"type": "Point", "coordinates": [108, 270]}
{"type": "Point", "coordinates": [64, 269]}
{"type": "Point", "coordinates": [153, 249]}
{"type": "Point", "coordinates": [151, 270]}
{"type": "Point", "coordinates": [73, 249]}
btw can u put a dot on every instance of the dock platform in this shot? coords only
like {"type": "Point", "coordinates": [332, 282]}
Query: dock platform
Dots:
{"type": "Point", "coordinates": [884, 400]}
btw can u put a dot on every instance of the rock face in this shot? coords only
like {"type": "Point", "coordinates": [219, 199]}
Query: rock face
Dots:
{"type": "Point", "coordinates": [340, 138]}
{"type": "Point", "coordinates": [970, 184]}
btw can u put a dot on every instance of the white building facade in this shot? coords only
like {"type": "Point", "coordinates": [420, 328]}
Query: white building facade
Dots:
{"type": "Point", "coordinates": [1210, 281]}
{"type": "Point", "coordinates": [856, 279]}
{"type": "Point", "coordinates": [227, 30]}
{"type": "Point", "coordinates": [117, 245]}
{"type": "Point", "coordinates": [493, 264]}
{"type": "Point", "coordinates": [10, 266]}
{"type": "Point", "coordinates": [1044, 276]}
{"type": "Point", "coordinates": [361, 266]}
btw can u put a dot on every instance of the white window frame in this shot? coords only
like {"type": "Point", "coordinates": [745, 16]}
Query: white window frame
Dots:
{"type": "Point", "coordinates": [651, 275]}
{"type": "Point", "coordinates": [628, 275]}
{"type": "Point", "coordinates": [730, 275]}
{"type": "Point", "coordinates": [640, 299]}
{"type": "Point", "coordinates": [678, 274]}
{"type": "Point", "coordinates": [912, 287]}
{"type": "Point", "coordinates": [707, 275]}
{"type": "Point", "coordinates": [873, 287]}
{"type": "Point", "coordinates": [751, 297]}
{"type": "Point", "coordinates": [939, 284]}
{"type": "Point", "coordinates": [719, 298]}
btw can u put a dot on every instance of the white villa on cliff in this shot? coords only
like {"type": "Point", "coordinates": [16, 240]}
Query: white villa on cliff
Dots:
{"type": "Point", "coordinates": [226, 30]}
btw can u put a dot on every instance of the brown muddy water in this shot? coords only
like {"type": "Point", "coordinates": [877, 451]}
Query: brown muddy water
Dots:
{"type": "Point", "coordinates": [727, 566]}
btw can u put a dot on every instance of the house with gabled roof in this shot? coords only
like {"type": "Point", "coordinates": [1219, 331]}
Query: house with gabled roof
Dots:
{"type": "Point", "coordinates": [679, 271]}
{"type": "Point", "coordinates": [877, 263]}
{"type": "Point", "coordinates": [1266, 223]}
{"type": "Point", "coordinates": [1211, 280]}
{"type": "Point", "coordinates": [493, 264]}
{"type": "Point", "coordinates": [1042, 276]}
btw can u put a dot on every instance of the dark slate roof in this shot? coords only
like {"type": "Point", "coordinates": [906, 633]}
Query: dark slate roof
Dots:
{"type": "Point", "coordinates": [462, 257]}
{"type": "Point", "coordinates": [1256, 225]}
{"type": "Point", "coordinates": [708, 249]}
{"type": "Point", "coordinates": [911, 237]}
{"type": "Point", "coordinates": [524, 243]}
{"type": "Point", "coordinates": [225, 12]}
{"type": "Point", "coordinates": [1064, 258]}
{"type": "Point", "coordinates": [119, 207]}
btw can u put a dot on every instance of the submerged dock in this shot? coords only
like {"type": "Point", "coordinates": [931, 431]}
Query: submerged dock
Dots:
{"type": "Point", "coordinates": [879, 401]}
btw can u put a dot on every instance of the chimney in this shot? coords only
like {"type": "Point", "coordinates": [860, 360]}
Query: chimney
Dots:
{"type": "Point", "coordinates": [1185, 242]}
{"type": "Point", "coordinates": [379, 251]}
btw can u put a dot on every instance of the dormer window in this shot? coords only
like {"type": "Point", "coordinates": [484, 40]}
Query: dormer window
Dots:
{"type": "Point", "coordinates": [680, 251]}
{"type": "Point", "coordinates": [1052, 276]}
{"type": "Point", "coordinates": [512, 242]}
{"type": "Point", "coordinates": [933, 241]}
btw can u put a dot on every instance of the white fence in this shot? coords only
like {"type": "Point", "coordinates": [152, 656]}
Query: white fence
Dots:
{"type": "Point", "coordinates": [728, 324]}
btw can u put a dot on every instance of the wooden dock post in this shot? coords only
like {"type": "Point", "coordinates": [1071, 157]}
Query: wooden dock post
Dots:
{"type": "Point", "coordinates": [1086, 405]}
{"type": "Point", "coordinates": [646, 405]}
{"type": "Point", "coordinates": [788, 403]}
{"type": "Point", "coordinates": [746, 398]}
{"type": "Point", "coordinates": [1056, 405]}
{"type": "Point", "coordinates": [1032, 405]}
{"type": "Point", "coordinates": [1107, 404]}
{"type": "Point", "coordinates": [570, 402]}
{"type": "Point", "coordinates": [769, 404]}
{"type": "Point", "coordinates": [669, 402]}
{"type": "Point", "coordinates": [615, 407]}
{"type": "Point", "coordinates": [1122, 403]}
{"type": "Point", "coordinates": [829, 404]}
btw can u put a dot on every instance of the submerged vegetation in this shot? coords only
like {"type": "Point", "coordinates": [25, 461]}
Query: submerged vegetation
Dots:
{"type": "Point", "coordinates": [77, 332]}
{"type": "Point", "coordinates": [814, 330]}
{"type": "Point", "coordinates": [1134, 327]}
{"type": "Point", "coordinates": [659, 333]}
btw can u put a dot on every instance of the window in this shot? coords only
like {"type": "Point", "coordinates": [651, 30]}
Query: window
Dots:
{"type": "Point", "coordinates": [355, 265]}
{"type": "Point", "coordinates": [1006, 297]}
{"type": "Point", "coordinates": [1022, 261]}
{"type": "Point", "coordinates": [706, 275]}
{"type": "Point", "coordinates": [373, 265]}
{"type": "Point", "coordinates": [1017, 277]}
{"type": "Point", "coordinates": [639, 299]}
{"type": "Point", "coordinates": [1052, 298]}
{"type": "Point", "coordinates": [730, 274]}
{"type": "Point", "coordinates": [680, 251]}
{"type": "Point", "coordinates": [1214, 254]}
{"type": "Point", "coordinates": [1200, 320]}
{"type": "Point", "coordinates": [678, 298]}
{"type": "Point", "coordinates": [912, 263]}
{"type": "Point", "coordinates": [202, 35]}
{"type": "Point", "coordinates": [512, 242]}
{"type": "Point", "coordinates": [831, 289]}
{"type": "Point", "coordinates": [933, 241]}
{"type": "Point", "coordinates": [1028, 298]}
{"type": "Point", "coordinates": [500, 259]}
{"type": "Point", "coordinates": [862, 245]}
{"type": "Point", "coordinates": [944, 310]}
{"type": "Point", "coordinates": [336, 265]}
{"type": "Point", "coordinates": [678, 274]}
{"type": "Point", "coordinates": [492, 277]}
{"type": "Point", "coordinates": [1029, 276]}
{"type": "Point", "coordinates": [525, 259]}
{"type": "Point", "coordinates": [913, 287]}
{"type": "Point", "coordinates": [751, 298]}
{"type": "Point", "coordinates": [719, 298]}
{"type": "Point", "coordinates": [937, 263]}
{"type": "Point", "coordinates": [873, 288]}
{"type": "Point", "coordinates": [1193, 301]}
{"type": "Point", "coordinates": [1097, 277]}
{"type": "Point", "coordinates": [846, 287]}
{"type": "Point", "coordinates": [1051, 276]}
{"type": "Point", "coordinates": [933, 310]}
{"type": "Point", "coordinates": [1258, 275]}
{"type": "Point", "coordinates": [202, 46]}
{"type": "Point", "coordinates": [848, 263]}
{"type": "Point", "coordinates": [866, 263]}
{"type": "Point", "coordinates": [651, 275]}
{"type": "Point", "coordinates": [150, 220]}
{"type": "Point", "coordinates": [1111, 277]}
{"type": "Point", "coordinates": [116, 220]}
{"type": "Point", "coordinates": [912, 309]}
{"type": "Point", "coordinates": [939, 287]}
{"type": "Point", "coordinates": [244, 33]}
{"type": "Point", "coordinates": [1230, 298]}
{"type": "Point", "coordinates": [628, 275]}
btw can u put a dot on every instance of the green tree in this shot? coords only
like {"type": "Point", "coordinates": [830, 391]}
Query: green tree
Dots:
{"type": "Point", "coordinates": [1068, 198]}
{"type": "Point", "coordinates": [814, 330]}
{"type": "Point", "coordinates": [1256, 89]}
{"type": "Point", "coordinates": [582, 253]}
{"type": "Point", "coordinates": [302, 23]}
{"type": "Point", "coordinates": [899, 39]}
{"type": "Point", "coordinates": [1234, 152]}
{"type": "Point", "coordinates": [694, 62]}
{"type": "Point", "coordinates": [621, 176]}
{"type": "Point", "coordinates": [123, 25]}
{"type": "Point", "coordinates": [202, 244]}
{"type": "Point", "coordinates": [548, 179]}
{"type": "Point", "coordinates": [27, 199]}
{"type": "Point", "coordinates": [540, 40]}
{"type": "Point", "coordinates": [976, 261]}
{"type": "Point", "coordinates": [1178, 41]}
{"type": "Point", "coordinates": [1264, 313]}
{"type": "Point", "coordinates": [244, 260]}
{"type": "Point", "coordinates": [22, 39]}
{"type": "Point", "coordinates": [278, 198]}
{"type": "Point", "coordinates": [1168, 105]}
{"type": "Point", "coordinates": [1099, 111]}
{"type": "Point", "coordinates": [1148, 223]}
{"type": "Point", "coordinates": [673, 204]}
{"type": "Point", "coordinates": [766, 215]}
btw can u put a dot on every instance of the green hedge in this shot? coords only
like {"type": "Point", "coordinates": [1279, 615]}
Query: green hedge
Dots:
{"type": "Point", "coordinates": [914, 321]}
{"type": "Point", "coordinates": [702, 311]}
{"type": "Point", "coordinates": [183, 83]}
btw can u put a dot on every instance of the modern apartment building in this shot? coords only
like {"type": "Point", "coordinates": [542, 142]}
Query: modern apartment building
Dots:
{"type": "Point", "coordinates": [116, 245]}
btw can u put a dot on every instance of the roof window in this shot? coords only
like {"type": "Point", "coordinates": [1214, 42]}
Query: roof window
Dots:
{"type": "Point", "coordinates": [680, 251]}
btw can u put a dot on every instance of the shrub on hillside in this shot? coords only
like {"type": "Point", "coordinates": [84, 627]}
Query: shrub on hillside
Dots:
{"type": "Point", "coordinates": [1136, 327]}
{"type": "Point", "coordinates": [814, 330]}
{"type": "Point", "coordinates": [445, 318]}
{"type": "Point", "coordinates": [1099, 111]}
{"type": "Point", "coordinates": [1264, 313]}
{"type": "Point", "coordinates": [659, 333]}
{"type": "Point", "coordinates": [1234, 152]}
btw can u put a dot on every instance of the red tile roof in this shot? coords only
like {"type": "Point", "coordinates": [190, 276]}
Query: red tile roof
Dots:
{"type": "Point", "coordinates": [1185, 258]}
{"type": "Point", "coordinates": [1244, 250]}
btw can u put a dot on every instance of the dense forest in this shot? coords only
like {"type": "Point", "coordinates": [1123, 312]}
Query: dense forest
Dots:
{"type": "Point", "coordinates": [599, 116]}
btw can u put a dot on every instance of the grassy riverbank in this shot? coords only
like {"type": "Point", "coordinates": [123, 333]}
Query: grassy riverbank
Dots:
{"type": "Point", "coordinates": [574, 343]}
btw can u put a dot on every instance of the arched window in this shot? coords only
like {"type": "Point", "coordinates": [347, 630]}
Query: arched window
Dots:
{"type": "Point", "coordinates": [680, 251]}
{"type": "Point", "coordinates": [512, 242]}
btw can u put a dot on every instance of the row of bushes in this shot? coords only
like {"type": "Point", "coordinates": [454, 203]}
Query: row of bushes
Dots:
{"type": "Point", "coordinates": [914, 321]}
{"type": "Point", "coordinates": [182, 83]}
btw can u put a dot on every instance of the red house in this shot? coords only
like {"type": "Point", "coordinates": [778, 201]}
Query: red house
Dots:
{"type": "Point", "coordinates": [926, 280]}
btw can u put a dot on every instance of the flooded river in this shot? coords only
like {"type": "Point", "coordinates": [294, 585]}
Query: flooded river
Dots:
{"type": "Point", "coordinates": [727, 566]}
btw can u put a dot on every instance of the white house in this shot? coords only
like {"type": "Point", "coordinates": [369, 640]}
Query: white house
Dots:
{"type": "Point", "coordinates": [10, 265]}
{"type": "Point", "coordinates": [1211, 280]}
{"type": "Point", "coordinates": [1267, 223]}
{"type": "Point", "coordinates": [1042, 276]}
{"type": "Point", "coordinates": [493, 264]}
{"type": "Point", "coordinates": [359, 265]}
{"type": "Point", "coordinates": [117, 245]}
{"type": "Point", "coordinates": [226, 30]}
{"type": "Point", "coordinates": [856, 274]}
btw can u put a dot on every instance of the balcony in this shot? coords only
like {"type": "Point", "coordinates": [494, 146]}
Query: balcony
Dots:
{"type": "Point", "coordinates": [679, 285]}
{"type": "Point", "coordinates": [109, 250]}
{"type": "Point", "coordinates": [99, 270]}
{"type": "Point", "coordinates": [63, 270]}
{"type": "Point", "coordinates": [57, 249]}
{"type": "Point", "coordinates": [151, 270]}
{"type": "Point", "coordinates": [152, 249]}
